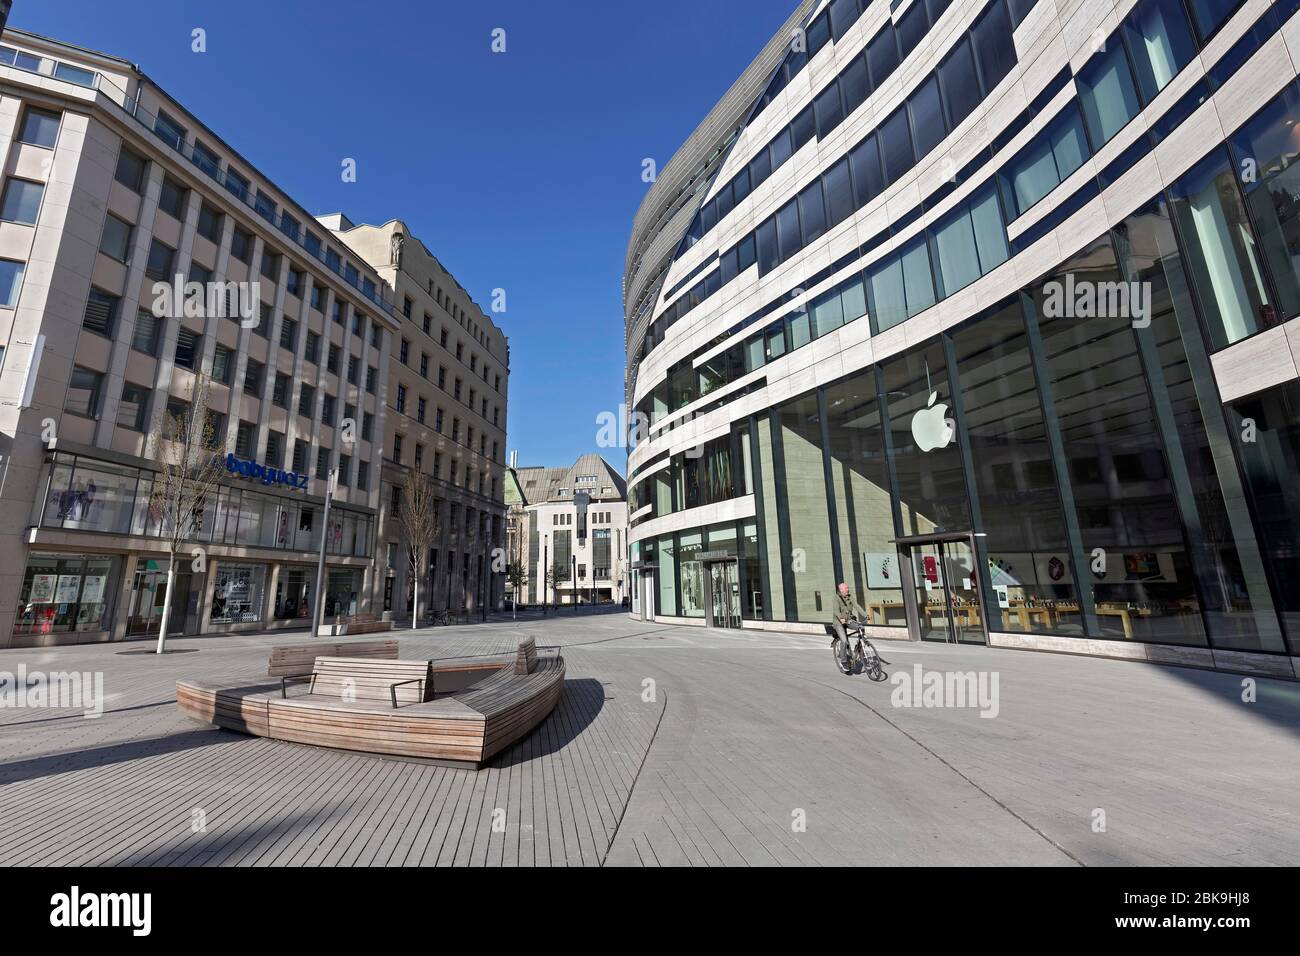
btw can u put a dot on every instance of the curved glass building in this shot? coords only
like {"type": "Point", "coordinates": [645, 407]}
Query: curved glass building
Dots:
{"type": "Point", "coordinates": [990, 309]}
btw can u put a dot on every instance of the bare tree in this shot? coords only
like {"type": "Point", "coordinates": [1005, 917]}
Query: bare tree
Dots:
{"type": "Point", "coordinates": [517, 575]}
{"type": "Point", "coordinates": [189, 464]}
{"type": "Point", "coordinates": [418, 516]}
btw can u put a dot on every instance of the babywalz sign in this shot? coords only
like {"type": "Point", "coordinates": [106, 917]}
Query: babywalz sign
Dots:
{"type": "Point", "coordinates": [266, 474]}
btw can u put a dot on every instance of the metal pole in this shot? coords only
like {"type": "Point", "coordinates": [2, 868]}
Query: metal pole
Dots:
{"type": "Point", "coordinates": [318, 614]}
{"type": "Point", "coordinates": [573, 582]}
{"type": "Point", "coordinates": [546, 598]}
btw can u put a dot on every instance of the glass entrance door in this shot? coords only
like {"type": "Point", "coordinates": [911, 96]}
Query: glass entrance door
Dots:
{"type": "Point", "coordinates": [947, 592]}
{"type": "Point", "coordinates": [149, 593]}
{"type": "Point", "coordinates": [724, 595]}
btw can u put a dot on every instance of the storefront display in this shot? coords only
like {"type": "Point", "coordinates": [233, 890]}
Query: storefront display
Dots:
{"type": "Point", "coordinates": [62, 593]}
{"type": "Point", "coordinates": [237, 594]}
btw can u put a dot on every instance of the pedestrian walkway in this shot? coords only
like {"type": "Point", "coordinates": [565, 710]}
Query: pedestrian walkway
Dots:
{"type": "Point", "coordinates": [675, 746]}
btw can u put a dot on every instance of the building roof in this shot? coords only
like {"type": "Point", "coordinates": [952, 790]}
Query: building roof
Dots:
{"type": "Point", "coordinates": [539, 484]}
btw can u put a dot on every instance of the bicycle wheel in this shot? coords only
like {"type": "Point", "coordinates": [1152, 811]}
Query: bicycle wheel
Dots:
{"type": "Point", "coordinates": [875, 670]}
{"type": "Point", "coordinates": [845, 667]}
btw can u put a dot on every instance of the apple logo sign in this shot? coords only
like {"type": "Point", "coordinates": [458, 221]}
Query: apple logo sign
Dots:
{"type": "Point", "coordinates": [931, 427]}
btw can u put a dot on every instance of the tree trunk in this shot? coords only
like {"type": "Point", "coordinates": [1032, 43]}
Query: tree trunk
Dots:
{"type": "Point", "coordinates": [167, 604]}
{"type": "Point", "coordinates": [415, 602]}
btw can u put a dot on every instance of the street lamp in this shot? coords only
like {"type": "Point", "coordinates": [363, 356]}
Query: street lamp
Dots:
{"type": "Point", "coordinates": [573, 582]}
{"type": "Point", "coordinates": [318, 615]}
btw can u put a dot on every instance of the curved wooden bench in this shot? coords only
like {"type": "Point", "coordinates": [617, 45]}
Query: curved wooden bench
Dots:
{"type": "Point", "coordinates": [470, 726]}
{"type": "Point", "coordinates": [296, 660]}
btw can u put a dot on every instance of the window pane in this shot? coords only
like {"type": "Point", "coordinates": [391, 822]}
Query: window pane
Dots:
{"type": "Point", "coordinates": [994, 50]}
{"type": "Point", "coordinates": [781, 148]}
{"type": "Point", "coordinates": [1268, 144]}
{"type": "Point", "coordinates": [1107, 94]}
{"type": "Point", "coordinates": [844, 13]}
{"type": "Point", "coordinates": [927, 117]}
{"type": "Point", "coordinates": [827, 313]}
{"type": "Point", "coordinates": [855, 84]}
{"type": "Point", "coordinates": [40, 127]}
{"type": "Point", "coordinates": [768, 253]}
{"type": "Point", "coordinates": [802, 129]}
{"type": "Point", "coordinates": [839, 192]}
{"type": "Point", "coordinates": [853, 298]}
{"type": "Point", "coordinates": [882, 55]}
{"type": "Point", "coordinates": [829, 110]}
{"type": "Point", "coordinates": [1209, 14]}
{"type": "Point", "coordinates": [896, 146]}
{"type": "Point", "coordinates": [918, 280]}
{"type": "Point", "coordinates": [11, 281]}
{"type": "Point", "coordinates": [1220, 252]}
{"type": "Point", "coordinates": [868, 180]}
{"type": "Point", "coordinates": [954, 242]}
{"type": "Point", "coordinates": [22, 201]}
{"type": "Point", "coordinates": [101, 312]}
{"type": "Point", "coordinates": [116, 241]}
{"type": "Point", "coordinates": [804, 488]}
{"type": "Point", "coordinates": [912, 27]}
{"type": "Point", "coordinates": [812, 212]}
{"type": "Point", "coordinates": [990, 233]}
{"type": "Point", "coordinates": [961, 88]}
{"type": "Point", "coordinates": [1160, 41]}
{"type": "Point", "coordinates": [787, 228]}
{"type": "Point", "coordinates": [132, 407]}
{"type": "Point", "coordinates": [888, 302]}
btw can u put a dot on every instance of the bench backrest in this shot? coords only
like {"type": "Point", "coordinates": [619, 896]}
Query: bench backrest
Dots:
{"type": "Point", "coordinates": [526, 657]}
{"type": "Point", "coordinates": [296, 660]}
{"type": "Point", "coordinates": [361, 678]}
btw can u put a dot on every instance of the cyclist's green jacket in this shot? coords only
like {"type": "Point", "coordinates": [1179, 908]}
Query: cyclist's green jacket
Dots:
{"type": "Point", "coordinates": [848, 608]}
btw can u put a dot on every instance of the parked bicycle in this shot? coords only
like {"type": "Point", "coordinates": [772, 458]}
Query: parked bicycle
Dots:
{"type": "Point", "coordinates": [863, 658]}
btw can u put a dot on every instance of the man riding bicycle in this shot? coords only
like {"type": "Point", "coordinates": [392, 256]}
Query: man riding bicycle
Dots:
{"type": "Point", "coordinates": [847, 609]}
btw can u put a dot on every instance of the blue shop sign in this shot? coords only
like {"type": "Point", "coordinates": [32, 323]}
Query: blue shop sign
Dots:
{"type": "Point", "coordinates": [266, 474]}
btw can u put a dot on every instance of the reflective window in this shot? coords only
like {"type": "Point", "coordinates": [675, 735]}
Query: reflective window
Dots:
{"type": "Point", "coordinates": [828, 110]}
{"type": "Point", "coordinates": [960, 85]}
{"type": "Point", "coordinates": [806, 511]}
{"type": "Point", "coordinates": [839, 193]}
{"type": "Point", "coordinates": [1160, 42]}
{"type": "Point", "coordinates": [1220, 252]}
{"type": "Point", "coordinates": [1107, 94]}
{"type": "Point", "coordinates": [812, 212]}
{"type": "Point", "coordinates": [882, 55]}
{"type": "Point", "coordinates": [928, 129]}
{"type": "Point", "coordinates": [896, 146]}
{"type": "Point", "coordinates": [868, 180]}
{"type": "Point", "coordinates": [995, 52]}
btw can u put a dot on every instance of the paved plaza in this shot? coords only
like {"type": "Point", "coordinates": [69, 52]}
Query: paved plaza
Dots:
{"type": "Point", "coordinates": [675, 746]}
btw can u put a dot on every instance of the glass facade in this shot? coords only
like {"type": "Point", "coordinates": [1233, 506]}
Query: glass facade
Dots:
{"type": "Point", "coordinates": [89, 495]}
{"type": "Point", "coordinates": [64, 592]}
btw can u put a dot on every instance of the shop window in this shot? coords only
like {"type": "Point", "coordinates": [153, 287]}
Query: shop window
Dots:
{"type": "Point", "coordinates": [62, 593]}
{"type": "Point", "coordinates": [237, 594]}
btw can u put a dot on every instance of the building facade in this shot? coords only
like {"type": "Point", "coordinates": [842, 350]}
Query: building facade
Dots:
{"type": "Point", "coordinates": [989, 310]}
{"type": "Point", "coordinates": [112, 192]}
{"type": "Point", "coordinates": [448, 383]}
{"type": "Point", "coordinates": [570, 533]}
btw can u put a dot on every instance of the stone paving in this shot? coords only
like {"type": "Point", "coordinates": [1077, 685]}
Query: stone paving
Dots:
{"type": "Point", "coordinates": [675, 746]}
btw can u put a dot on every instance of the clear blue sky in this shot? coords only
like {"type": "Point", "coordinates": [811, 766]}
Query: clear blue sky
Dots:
{"type": "Point", "coordinates": [520, 171]}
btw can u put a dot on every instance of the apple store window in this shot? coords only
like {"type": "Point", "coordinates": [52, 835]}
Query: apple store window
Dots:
{"type": "Point", "coordinates": [806, 509]}
{"type": "Point", "coordinates": [863, 502]}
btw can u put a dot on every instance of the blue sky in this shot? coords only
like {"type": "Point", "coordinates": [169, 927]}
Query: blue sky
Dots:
{"type": "Point", "coordinates": [520, 171]}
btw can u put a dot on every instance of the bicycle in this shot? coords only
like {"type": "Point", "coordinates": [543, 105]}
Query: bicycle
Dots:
{"type": "Point", "coordinates": [863, 658]}
{"type": "Point", "coordinates": [442, 618]}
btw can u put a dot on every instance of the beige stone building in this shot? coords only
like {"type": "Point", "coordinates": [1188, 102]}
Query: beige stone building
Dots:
{"type": "Point", "coordinates": [111, 186]}
{"type": "Point", "coordinates": [447, 386]}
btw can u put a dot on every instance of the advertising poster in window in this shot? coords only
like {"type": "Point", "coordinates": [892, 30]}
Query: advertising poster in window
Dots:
{"type": "Point", "coordinates": [92, 591]}
{"type": "Point", "coordinates": [68, 587]}
{"type": "Point", "coordinates": [43, 588]}
{"type": "Point", "coordinates": [882, 570]}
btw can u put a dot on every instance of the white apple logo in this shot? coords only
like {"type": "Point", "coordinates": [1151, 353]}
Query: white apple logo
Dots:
{"type": "Point", "coordinates": [931, 427]}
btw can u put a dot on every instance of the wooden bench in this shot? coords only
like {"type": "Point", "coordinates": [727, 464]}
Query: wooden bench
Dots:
{"type": "Point", "coordinates": [469, 726]}
{"type": "Point", "coordinates": [296, 660]}
{"type": "Point", "coordinates": [361, 624]}
{"type": "Point", "coordinates": [361, 678]}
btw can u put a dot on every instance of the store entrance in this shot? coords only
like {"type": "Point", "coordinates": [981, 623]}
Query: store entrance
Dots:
{"type": "Point", "coordinates": [723, 606]}
{"type": "Point", "coordinates": [946, 603]}
{"type": "Point", "coordinates": [148, 595]}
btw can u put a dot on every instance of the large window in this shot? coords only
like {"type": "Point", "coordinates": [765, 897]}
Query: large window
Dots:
{"type": "Point", "coordinates": [84, 389]}
{"type": "Point", "coordinates": [863, 503]}
{"type": "Point", "coordinates": [1220, 251]}
{"type": "Point", "coordinates": [1266, 427]}
{"type": "Point", "coordinates": [66, 592]}
{"type": "Point", "coordinates": [1160, 42]}
{"type": "Point", "coordinates": [1107, 94]}
{"type": "Point", "coordinates": [237, 594]}
{"type": "Point", "coordinates": [1045, 163]}
{"type": "Point", "coordinates": [811, 581]}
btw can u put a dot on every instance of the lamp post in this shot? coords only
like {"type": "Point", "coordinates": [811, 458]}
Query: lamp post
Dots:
{"type": "Point", "coordinates": [318, 610]}
{"type": "Point", "coordinates": [546, 598]}
{"type": "Point", "coordinates": [573, 582]}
